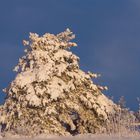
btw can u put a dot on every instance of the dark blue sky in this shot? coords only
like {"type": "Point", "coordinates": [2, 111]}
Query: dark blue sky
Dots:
{"type": "Point", "coordinates": [107, 33]}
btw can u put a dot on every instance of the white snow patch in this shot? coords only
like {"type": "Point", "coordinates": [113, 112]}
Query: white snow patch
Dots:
{"type": "Point", "coordinates": [33, 99]}
{"type": "Point", "coordinates": [25, 78]}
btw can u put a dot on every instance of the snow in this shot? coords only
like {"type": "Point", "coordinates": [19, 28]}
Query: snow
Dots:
{"type": "Point", "coordinates": [79, 137]}
{"type": "Point", "coordinates": [105, 105]}
{"type": "Point", "coordinates": [33, 99]}
{"type": "Point", "coordinates": [23, 79]}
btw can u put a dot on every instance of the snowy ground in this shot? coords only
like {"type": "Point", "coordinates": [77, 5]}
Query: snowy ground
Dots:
{"type": "Point", "coordinates": [80, 137]}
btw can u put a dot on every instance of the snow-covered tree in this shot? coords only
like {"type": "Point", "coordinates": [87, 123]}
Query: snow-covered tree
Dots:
{"type": "Point", "coordinates": [51, 94]}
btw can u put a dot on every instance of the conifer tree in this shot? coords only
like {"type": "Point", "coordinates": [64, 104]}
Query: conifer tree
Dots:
{"type": "Point", "coordinates": [51, 94]}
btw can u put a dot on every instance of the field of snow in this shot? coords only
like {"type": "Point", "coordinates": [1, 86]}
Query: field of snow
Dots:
{"type": "Point", "coordinates": [80, 137]}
